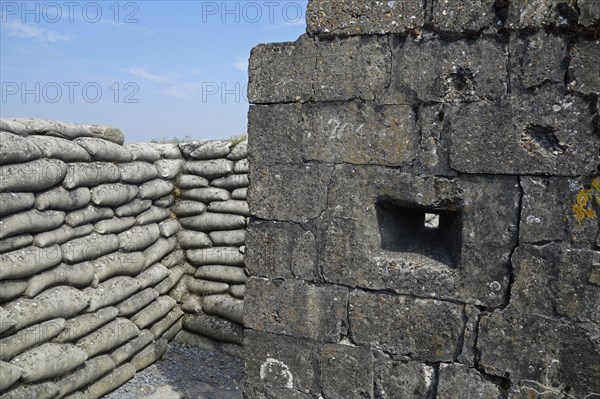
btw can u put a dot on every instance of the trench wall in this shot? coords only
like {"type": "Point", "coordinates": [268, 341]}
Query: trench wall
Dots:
{"type": "Point", "coordinates": [425, 193]}
{"type": "Point", "coordinates": [107, 252]}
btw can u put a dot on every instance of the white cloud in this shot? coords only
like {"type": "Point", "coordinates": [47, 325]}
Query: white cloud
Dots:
{"type": "Point", "coordinates": [142, 73]}
{"type": "Point", "coordinates": [241, 64]}
{"type": "Point", "coordinates": [20, 29]}
{"type": "Point", "coordinates": [184, 91]}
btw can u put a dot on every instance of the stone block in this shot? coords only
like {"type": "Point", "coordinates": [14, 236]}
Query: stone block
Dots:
{"type": "Point", "coordinates": [281, 363]}
{"type": "Point", "coordinates": [355, 364]}
{"type": "Point", "coordinates": [438, 71]}
{"type": "Point", "coordinates": [543, 13]}
{"type": "Point", "coordinates": [282, 72]}
{"type": "Point", "coordinates": [547, 132]}
{"type": "Point", "coordinates": [395, 379]}
{"type": "Point", "coordinates": [584, 66]}
{"type": "Point", "coordinates": [359, 17]}
{"type": "Point", "coordinates": [352, 68]}
{"type": "Point", "coordinates": [459, 15]}
{"type": "Point", "coordinates": [296, 308]}
{"type": "Point", "coordinates": [428, 330]}
{"type": "Point", "coordinates": [281, 250]}
{"type": "Point", "coordinates": [360, 133]}
{"type": "Point", "coordinates": [457, 380]}
{"type": "Point", "coordinates": [295, 193]}
{"type": "Point", "coordinates": [375, 237]}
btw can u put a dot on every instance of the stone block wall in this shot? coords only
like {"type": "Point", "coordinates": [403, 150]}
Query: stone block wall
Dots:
{"type": "Point", "coordinates": [425, 198]}
{"type": "Point", "coordinates": [97, 273]}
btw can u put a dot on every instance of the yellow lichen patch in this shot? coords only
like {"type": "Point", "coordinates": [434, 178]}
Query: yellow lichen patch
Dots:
{"type": "Point", "coordinates": [583, 207]}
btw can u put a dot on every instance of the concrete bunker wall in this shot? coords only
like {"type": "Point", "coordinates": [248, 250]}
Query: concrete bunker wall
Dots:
{"type": "Point", "coordinates": [109, 251]}
{"type": "Point", "coordinates": [425, 193]}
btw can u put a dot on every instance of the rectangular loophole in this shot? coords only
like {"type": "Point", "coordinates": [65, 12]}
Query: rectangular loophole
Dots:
{"type": "Point", "coordinates": [423, 233]}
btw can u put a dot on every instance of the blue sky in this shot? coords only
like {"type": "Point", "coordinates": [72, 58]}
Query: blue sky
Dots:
{"type": "Point", "coordinates": [152, 68]}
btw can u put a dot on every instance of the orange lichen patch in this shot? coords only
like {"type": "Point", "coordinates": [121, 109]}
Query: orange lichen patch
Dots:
{"type": "Point", "coordinates": [583, 207]}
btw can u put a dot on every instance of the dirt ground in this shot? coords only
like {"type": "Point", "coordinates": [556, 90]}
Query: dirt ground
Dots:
{"type": "Point", "coordinates": [186, 373]}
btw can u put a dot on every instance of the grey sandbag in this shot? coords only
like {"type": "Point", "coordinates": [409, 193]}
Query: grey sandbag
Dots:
{"type": "Point", "coordinates": [169, 168]}
{"type": "Point", "coordinates": [231, 182]}
{"type": "Point", "coordinates": [61, 235]}
{"type": "Point", "coordinates": [48, 361]}
{"type": "Point", "coordinates": [136, 302]}
{"type": "Point", "coordinates": [212, 150]}
{"type": "Point", "coordinates": [132, 347]}
{"type": "Point", "coordinates": [58, 148]}
{"type": "Point", "coordinates": [164, 202]}
{"type": "Point", "coordinates": [196, 341]}
{"type": "Point", "coordinates": [169, 227]}
{"type": "Point", "coordinates": [12, 289]}
{"type": "Point", "coordinates": [133, 208]}
{"type": "Point", "coordinates": [32, 176]}
{"type": "Point", "coordinates": [138, 237]}
{"type": "Point", "coordinates": [26, 338]}
{"type": "Point", "coordinates": [167, 151]}
{"type": "Point", "coordinates": [153, 215]}
{"type": "Point", "coordinates": [192, 304]}
{"type": "Point", "coordinates": [228, 274]}
{"type": "Point", "coordinates": [7, 321]}
{"type": "Point", "coordinates": [161, 326]}
{"type": "Point", "coordinates": [206, 195]}
{"type": "Point", "coordinates": [240, 194]}
{"type": "Point", "coordinates": [103, 150]}
{"type": "Point", "coordinates": [32, 221]}
{"type": "Point", "coordinates": [117, 263]}
{"type": "Point", "coordinates": [16, 149]}
{"type": "Point", "coordinates": [229, 256]}
{"type": "Point", "coordinates": [45, 390]}
{"type": "Point", "coordinates": [208, 222]}
{"type": "Point", "coordinates": [174, 258]}
{"type": "Point", "coordinates": [238, 290]}
{"type": "Point", "coordinates": [110, 382]}
{"type": "Point", "coordinates": [188, 208]}
{"type": "Point", "coordinates": [13, 243]}
{"type": "Point", "coordinates": [155, 189]}
{"type": "Point", "coordinates": [137, 172]}
{"type": "Point", "coordinates": [81, 326]}
{"type": "Point", "coordinates": [79, 275]}
{"type": "Point", "coordinates": [173, 330]}
{"type": "Point", "coordinates": [28, 261]}
{"type": "Point", "coordinates": [150, 354]}
{"type": "Point", "coordinates": [215, 328]}
{"type": "Point", "coordinates": [108, 337]}
{"type": "Point", "coordinates": [63, 200]}
{"type": "Point", "coordinates": [224, 306]}
{"type": "Point", "coordinates": [152, 275]}
{"type": "Point", "coordinates": [159, 250]}
{"type": "Point", "coordinates": [114, 226]}
{"type": "Point", "coordinates": [191, 181]}
{"type": "Point", "coordinates": [112, 291]}
{"type": "Point", "coordinates": [89, 214]}
{"type": "Point", "coordinates": [209, 169]}
{"type": "Point", "coordinates": [142, 152]}
{"type": "Point", "coordinates": [242, 166]}
{"type": "Point", "coordinates": [156, 310]}
{"type": "Point", "coordinates": [90, 372]}
{"type": "Point", "coordinates": [89, 247]}
{"type": "Point", "coordinates": [175, 274]}
{"type": "Point", "coordinates": [237, 207]}
{"type": "Point", "coordinates": [15, 202]}
{"type": "Point", "coordinates": [59, 302]}
{"type": "Point", "coordinates": [206, 287]}
{"type": "Point", "coordinates": [228, 238]}
{"type": "Point", "coordinates": [180, 290]}
{"type": "Point", "coordinates": [90, 174]}
{"type": "Point", "coordinates": [189, 239]}
{"type": "Point", "coordinates": [10, 374]}
{"type": "Point", "coordinates": [238, 152]}
{"type": "Point", "coordinates": [113, 194]}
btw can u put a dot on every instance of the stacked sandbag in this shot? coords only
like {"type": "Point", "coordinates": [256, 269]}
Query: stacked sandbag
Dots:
{"type": "Point", "coordinates": [88, 258]}
{"type": "Point", "coordinates": [213, 213]}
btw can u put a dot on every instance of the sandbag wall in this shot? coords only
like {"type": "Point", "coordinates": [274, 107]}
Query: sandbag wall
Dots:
{"type": "Point", "coordinates": [91, 271]}
{"type": "Point", "coordinates": [212, 209]}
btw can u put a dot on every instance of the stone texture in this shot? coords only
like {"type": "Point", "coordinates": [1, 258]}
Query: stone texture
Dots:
{"type": "Point", "coordinates": [584, 66]}
{"type": "Point", "coordinates": [354, 364]}
{"type": "Point", "coordinates": [548, 132]}
{"type": "Point", "coordinates": [296, 308]}
{"type": "Point", "coordinates": [426, 329]}
{"type": "Point", "coordinates": [395, 379]}
{"type": "Point", "coordinates": [456, 380]}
